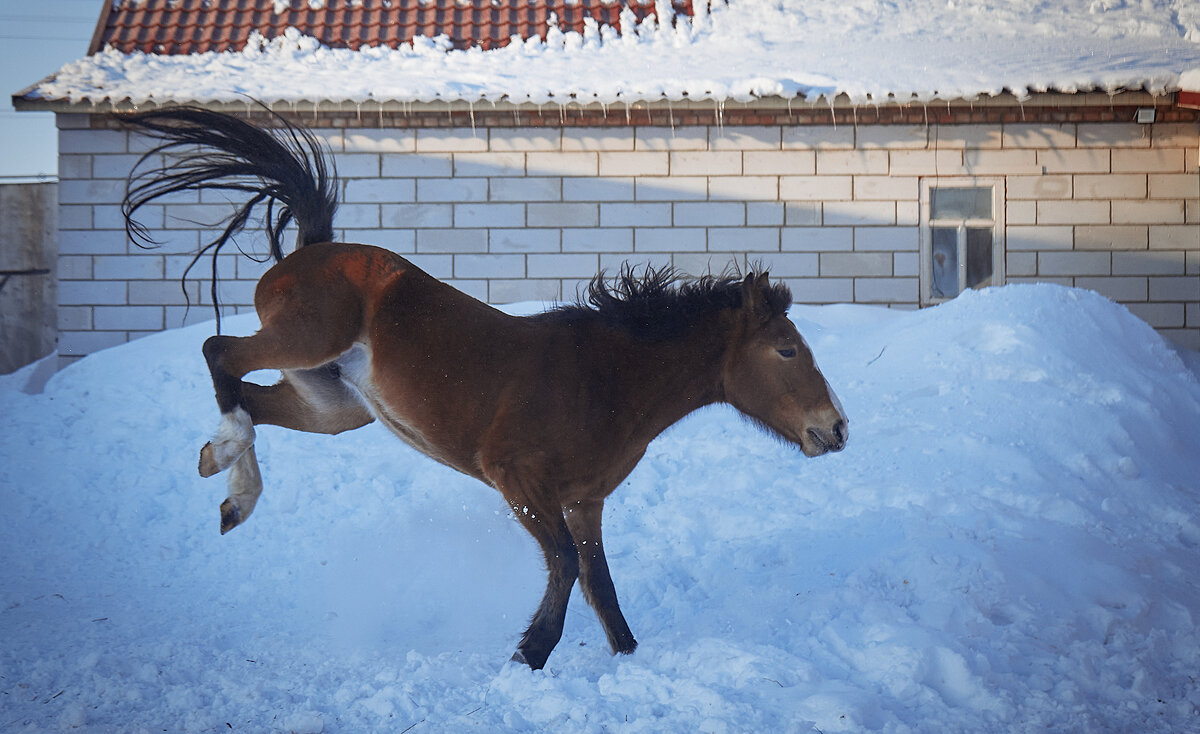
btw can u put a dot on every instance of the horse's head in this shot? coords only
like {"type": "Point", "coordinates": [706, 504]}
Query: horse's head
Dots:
{"type": "Point", "coordinates": [770, 374]}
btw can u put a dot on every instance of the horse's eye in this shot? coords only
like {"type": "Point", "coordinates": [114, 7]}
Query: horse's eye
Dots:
{"type": "Point", "coordinates": [787, 353]}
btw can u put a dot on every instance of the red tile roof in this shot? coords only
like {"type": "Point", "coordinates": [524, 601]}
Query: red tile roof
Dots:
{"type": "Point", "coordinates": [194, 26]}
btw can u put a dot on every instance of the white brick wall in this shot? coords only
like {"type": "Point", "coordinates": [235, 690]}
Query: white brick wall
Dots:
{"type": "Point", "coordinates": [518, 214]}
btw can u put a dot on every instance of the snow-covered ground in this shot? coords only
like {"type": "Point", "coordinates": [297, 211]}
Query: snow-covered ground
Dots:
{"type": "Point", "coordinates": [743, 49]}
{"type": "Point", "coordinates": [1009, 543]}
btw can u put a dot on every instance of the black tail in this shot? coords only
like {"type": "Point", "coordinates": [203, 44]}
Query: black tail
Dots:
{"type": "Point", "coordinates": [286, 169]}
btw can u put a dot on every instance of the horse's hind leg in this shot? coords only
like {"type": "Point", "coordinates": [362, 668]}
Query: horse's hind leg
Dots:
{"type": "Point", "coordinates": [583, 520]}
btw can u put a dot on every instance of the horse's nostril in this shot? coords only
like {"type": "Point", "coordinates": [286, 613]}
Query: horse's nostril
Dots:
{"type": "Point", "coordinates": [839, 432]}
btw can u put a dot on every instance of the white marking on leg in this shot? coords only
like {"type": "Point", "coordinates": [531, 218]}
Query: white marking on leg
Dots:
{"type": "Point", "coordinates": [234, 436]}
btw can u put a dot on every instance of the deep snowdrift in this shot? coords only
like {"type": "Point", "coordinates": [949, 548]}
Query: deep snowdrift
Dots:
{"type": "Point", "coordinates": [1009, 543]}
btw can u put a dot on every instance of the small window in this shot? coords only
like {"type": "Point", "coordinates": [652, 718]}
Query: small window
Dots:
{"type": "Point", "coordinates": [962, 243]}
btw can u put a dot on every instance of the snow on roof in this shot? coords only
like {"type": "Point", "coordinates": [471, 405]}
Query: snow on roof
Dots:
{"type": "Point", "coordinates": [740, 50]}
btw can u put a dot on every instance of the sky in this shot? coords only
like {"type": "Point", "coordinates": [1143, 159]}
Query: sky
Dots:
{"type": "Point", "coordinates": [35, 40]}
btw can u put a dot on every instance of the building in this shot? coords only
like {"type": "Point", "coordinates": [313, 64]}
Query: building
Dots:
{"type": "Point", "coordinates": [656, 134]}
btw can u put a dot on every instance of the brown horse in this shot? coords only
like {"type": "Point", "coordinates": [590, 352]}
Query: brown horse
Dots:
{"type": "Point", "coordinates": [553, 410]}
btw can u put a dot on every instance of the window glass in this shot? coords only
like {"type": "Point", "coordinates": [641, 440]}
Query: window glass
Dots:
{"type": "Point", "coordinates": [961, 203]}
{"type": "Point", "coordinates": [945, 262]}
{"type": "Point", "coordinates": [979, 256]}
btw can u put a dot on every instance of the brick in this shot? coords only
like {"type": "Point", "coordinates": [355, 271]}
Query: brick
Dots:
{"type": "Point", "coordinates": [1174, 186]}
{"type": "Point", "coordinates": [379, 141]}
{"type": "Point", "coordinates": [575, 265]}
{"type": "Point", "coordinates": [1039, 187]}
{"type": "Point", "coordinates": [492, 215]}
{"type": "Point", "coordinates": [524, 239]}
{"type": "Point", "coordinates": [1073, 212]}
{"type": "Point", "coordinates": [358, 165]}
{"type": "Point", "coordinates": [598, 189]}
{"type": "Point", "coordinates": [765, 213]}
{"type": "Point", "coordinates": [818, 137]}
{"type": "Point", "coordinates": [524, 139]}
{"type": "Point", "coordinates": [816, 188]}
{"type": "Point", "coordinates": [669, 239]}
{"type": "Point", "coordinates": [1151, 262]}
{"type": "Point", "coordinates": [526, 189]}
{"type": "Point", "coordinates": [706, 163]}
{"type": "Point", "coordinates": [477, 289]}
{"type": "Point", "coordinates": [1122, 237]}
{"type": "Point", "coordinates": [612, 262]}
{"type": "Point", "coordinates": [1173, 134]}
{"type": "Point", "coordinates": [561, 164]}
{"type": "Point", "coordinates": [1175, 289]}
{"type": "Point", "coordinates": [396, 240]}
{"type": "Point", "coordinates": [515, 291]}
{"type": "Point", "coordinates": [779, 163]}
{"type": "Point", "coordinates": [359, 216]}
{"type": "Point", "coordinates": [703, 263]}
{"type": "Point", "coordinates": [416, 165]}
{"type": "Point", "coordinates": [633, 164]}
{"type": "Point", "coordinates": [452, 189]}
{"type": "Point", "coordinates": [1000, 162]}
{"type": "Point", "coordinates": [886, 290]}
{"type": "Point", "coordinates": [1090, 160]}
{"type": "Point", "coordinates": [1119, 288]}
{"type": "Point", "coordinates": [403, 216]}
{"type": "Point", "coordinates": [450, 140]}
{"type": "Point", "coordinates": [635, 215]}
{"type": "Point", "coordinates": [926, 163]}
{"type": "Point", "coordinates": [891, 137]}
{"type": "Point", "coordinates": [116, 166]}
{"type": "Point", "coordinates": [1148, 212]}
{"type": "Point", "coordinates": [440, 266]}
{"type": "Point", "coordinates": [842, 162]}
{"type": "Point", "coordinates": [92, 242]}
{"type": "Point", "coordinates": [91, 292]}
{"type": "Point", "coordinates": [1164, 160]}
{"type": "Point", "coordinates": [886, 238]}
{"type": "Point", "coordinates": [597, 138]}
{"type": "Point", "coordinates": [1113, 135]}
{"type": "Point", "coordinates": [127, 267]}
{"type": "Point", "coordinates": [675, 188]}
{"type": "Point", "coordinates": [678, 138]}
{"type": "Point", "coordinates": [906, 264]}
{"type": "Point", "coordinates": [1036, 135]}
{"type": "Point", "coordinates": [1159, 315]}
{"type": "Point", "coordinates": [1074, 263]}
{"type": "Point", "coordinates": [868, 188]}
{"type": "Point", "coordinates": [136, 318]}
{"type": "Point", "coordinates": [858, 213]}
{"type": "Point", "coordinates": [709, 214]}
{"type": "Point", "coordinates": [744, 188]}
{"type": "Point", "coordinates": [489, 164]}
{"type": "Point", "coordinates": [75, 166]}
{"type": "Point", "coordinates": [855, 264]}
{"type": "Point", "coordinates": [74, 318]}
{"type": "Point", "coordinates": [1110, 186]}
{"type": "Point", "coordinates": [976, 137]}
{"type": "Point", "coordinates": [817, 239]}
{"type": "Point", "coordinates": [1018, 212]}
{"type": "Point", "coordinates": [489, 266]}
{"type": "Point", "coordinates": [822, 290]}
{"type": "Point", "coordinates": [73, 267]}
{"type": "Point", "coordinates": [563, 215]}
{"type": "Point", "coordinates": [1177, 237]}
{"type": "Point", "coordinates": [91, 191]}
{"type": "Point", "coordinates": [79, 216]}
{"type": "Point", "coordinates": [450, 241]}
{"type": "Point", "coordinates": [744, 239]}
{"type": "Point", "coordinates": [598, 239]}
{"type": "Point", "coordinates": [766, 137]}
{"type": "Point", "coordinates": [92, 141]}
{"type": "Point", "coordinates": [392, 190]}
{"type": "Point", "coordinates": [802, 213]}
{"type": "Point", "coordinates": [1020, 264]}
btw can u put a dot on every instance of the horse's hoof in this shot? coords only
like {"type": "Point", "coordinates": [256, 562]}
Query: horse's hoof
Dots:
{"type": "Point", "coordinates": [208, 462]}
{"type": "Point", "coordinates": [231, 516]}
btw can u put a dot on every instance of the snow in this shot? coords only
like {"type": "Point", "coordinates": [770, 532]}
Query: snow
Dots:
{"type": "Point", "coordinates": [743, 50]}
{"type": "Point", "coordinates": [1009, 543]}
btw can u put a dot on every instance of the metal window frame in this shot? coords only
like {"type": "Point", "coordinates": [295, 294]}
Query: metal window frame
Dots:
{"type": "Point", "coordinates": [996, 224]}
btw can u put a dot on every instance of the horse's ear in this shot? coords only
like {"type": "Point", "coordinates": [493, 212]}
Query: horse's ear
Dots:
{"type": "Point", "coordinates": [754, 296]}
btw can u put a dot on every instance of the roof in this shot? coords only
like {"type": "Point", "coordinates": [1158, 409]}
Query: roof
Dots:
{"type": "Point", "coordinates": [590, 52]}
{"type": "Point", "coordinates": [175, 27]}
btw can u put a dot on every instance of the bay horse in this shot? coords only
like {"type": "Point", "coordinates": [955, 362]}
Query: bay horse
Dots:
{"type": "Point", "coordinates": [553, 410]}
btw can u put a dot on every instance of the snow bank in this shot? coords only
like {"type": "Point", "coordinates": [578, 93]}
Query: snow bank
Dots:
{"type": "Point", "coordinates": [1009, 543]}
{"type": "Point", "coordinates": [741, 50]}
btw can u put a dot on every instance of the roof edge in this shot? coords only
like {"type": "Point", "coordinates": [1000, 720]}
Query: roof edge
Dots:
{"type": "Point", "coordinates": [23, 102]}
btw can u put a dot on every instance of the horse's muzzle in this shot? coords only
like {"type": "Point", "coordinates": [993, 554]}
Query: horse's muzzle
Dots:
{"type": "Point", "coordinates": [825, 440]}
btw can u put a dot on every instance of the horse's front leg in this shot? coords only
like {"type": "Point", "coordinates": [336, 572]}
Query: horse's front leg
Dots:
{"type": "Point", "coordinates": [583, 520]}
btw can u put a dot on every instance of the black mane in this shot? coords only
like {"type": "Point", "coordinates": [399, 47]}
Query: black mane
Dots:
{"type": "Point", "coordinates": [660, 303]}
